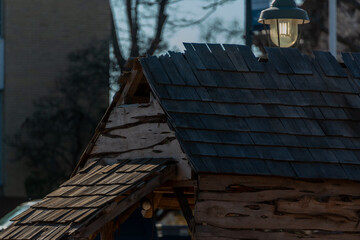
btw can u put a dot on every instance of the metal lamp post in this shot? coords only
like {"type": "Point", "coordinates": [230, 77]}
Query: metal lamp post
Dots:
{"type": "Point", "coordinates": [284, 16]}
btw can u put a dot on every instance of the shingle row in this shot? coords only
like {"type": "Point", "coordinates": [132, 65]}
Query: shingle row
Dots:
{"type": "Point", "coordinates": [290, 116]}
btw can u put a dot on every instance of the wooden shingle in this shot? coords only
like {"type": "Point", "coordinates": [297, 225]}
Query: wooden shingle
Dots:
{"type": "Point", "coordinates": [71, 206]}
{"type": "Point", "coordinates": [282, 113]}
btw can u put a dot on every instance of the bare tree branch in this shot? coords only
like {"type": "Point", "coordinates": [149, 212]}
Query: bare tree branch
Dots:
{"type": "Point", "coordinates": [189, 23]}
{"type": "Point", "coordinates": [135, 46]}
{"type": "Point", "coordinates": [132, 17]}
{"type": "Point", "coordinates": [217, 3]}
{"type": "Point", "coordinates": [140, 14]}
{"type": "Point", "coordinates": [159, 27]}
{"type": "Point", "coordinates": [117, 51]}
{"type": "Point", "coordinates": [129, 14]}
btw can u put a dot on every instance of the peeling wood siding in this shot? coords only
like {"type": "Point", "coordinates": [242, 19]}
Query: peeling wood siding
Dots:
{"type": "Point", "coordinates": [259, 208]}
{"type": "Point", "coordinates": [139, 131]}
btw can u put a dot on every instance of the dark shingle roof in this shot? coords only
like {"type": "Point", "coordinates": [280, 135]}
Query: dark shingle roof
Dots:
{"type": "Point", "coordinates": [290, 116]}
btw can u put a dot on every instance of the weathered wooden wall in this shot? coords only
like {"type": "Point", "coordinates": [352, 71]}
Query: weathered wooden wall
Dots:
{"type": "Point", "coordinates": [269, 208]}
{"type": "Point", "coordinates": [139, 131]}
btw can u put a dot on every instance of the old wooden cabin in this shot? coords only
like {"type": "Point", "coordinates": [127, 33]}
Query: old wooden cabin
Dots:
{"type": "Point", "coordinates": [247, 149]}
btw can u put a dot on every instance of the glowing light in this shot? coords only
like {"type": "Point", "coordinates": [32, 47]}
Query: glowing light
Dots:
{"type": "Point", "coordinates": [287, 34]}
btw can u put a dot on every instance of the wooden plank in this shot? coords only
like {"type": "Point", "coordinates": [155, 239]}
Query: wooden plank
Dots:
{"type": "Point", "coordinates": [324, 63]}
{"type": "Point", "coordinates": [8, 231]}
{"type": "Point", "coordinates": [192, 57]}
{"type": "Point", "coordinates": [47, 232]}
{"type": "Point", "coordinates": [23, 214]}
{"type": "Point", "coordinates": [171, 148]}
{"type": "Point", "coordinates": [155, 199]}
{"type": "Point", "coordinates": [138, 137]}
{"type": "Point", "coordinates": [210, 232]}
{"type": "Point", "coordinates": [250, 59]}
{"type": "Point", "coordinates": [11, 234]}
{"type": "Point", "coordinates": [158, 89]}
{"type": "Point", "coordinates": [247, 215]}
{"type": "Point", "coordinates": [356, 57]}
{"type": "Point", "coordinates": [115, 209]}
{"type": "Point", "coordinates": [88, 166]}
{"type": "Point", "coordinates": [131, 86]}
{"type": "Point", "coordinates": [351, 64]}
{"type": "Point", "coordinates": [169, 190]}
{"type": "Point", "coordinates": [244, 193]}
{"type": "Point", "coordinates": [335, 84]}
{"type": "Point", "coordinates": [336, 65]}
{"type": "Point", "coordinates": [107, 231]}
{"type": "Point", "coordinates": [58, 232]}
{"type": "Point", "coordinates": [206, 56]}
{"type": "Point", "coordinates": [153, 165]}
{"type": "Point", "coordinates": [100, 202]}
{"type": "Point", "coordinates": [31, 231]}
{"type": "Point", "coordinates": [282, 81]}
{"type": "Point", "coordinates": [296, 61]}
{"type": "Point", "coordinates": [221, 57]}
{"type": "Point", "coordinates": [184, 69]}
{"type": "Point", "coordinates": [33, 215]}
{"type": "Point", "coordinates": [208, 182]}
{"type": "Point", "coordinates": [158, 70]}
{"type": "Point", "coordinates": [333, 206]}
{"type": "Point", "coordinates": [131, 115]}
{"type": "Point", "coordinates": [185, 208]}
{"type": "Point", "coordinates": [236, 58]}
{"type": "Point", "coordinates": [171, 70]}
{"type": "Point", "coordinates": [55, 215]}
{"type": "Point", "coordinates": [172, 203]}
{"type": "Point", "coordinates": [278, 60]}
{"type": "Point", "coordinates": [185, 183]}
{"type": "Point", "coordinates": [329, 64]}
{"type": "Point", "coordinates": [182, 93]}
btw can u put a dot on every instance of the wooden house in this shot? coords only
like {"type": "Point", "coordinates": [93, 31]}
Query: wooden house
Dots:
{"type": "Point", "coordinates": [246, 148]}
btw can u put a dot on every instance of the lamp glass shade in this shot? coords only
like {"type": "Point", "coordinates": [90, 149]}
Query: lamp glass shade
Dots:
{"type": "Point", "coordinates": [286, 35]}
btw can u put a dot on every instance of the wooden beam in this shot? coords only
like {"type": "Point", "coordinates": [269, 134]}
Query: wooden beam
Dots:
{"type": "Point", "coordinates": [254, 215]}
{"type": "Point", "coordinates": [86, 154]}
{"type": "Point", "coordinates": [131, 86]}
{"type": "Point", "coordinates": [121, 219]}
{"type": "Point", "coordinates": [212, 233]}
{"type": "Point", "coordinates": [107, 231]}
{"type": "Point", "coordinates": [232, 183]}
{"type": "Point", "coordinates": [185, 208]}
{"type": "Point", "coordinates": [93, 236]}
{"type": "Point", "coordinates": [184, 183]}
{"type": "Point", "coordinates": [155, 200]}
{"type": "Point", "coordinates": [187, 191]}
{"type": "Point", "coordinates": [117, 208]}
{"type": "Point", "coordinates": [173, 204]}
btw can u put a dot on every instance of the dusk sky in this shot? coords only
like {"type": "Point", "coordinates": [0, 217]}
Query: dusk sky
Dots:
{"type": "Point", "coordinates": [234, 10]}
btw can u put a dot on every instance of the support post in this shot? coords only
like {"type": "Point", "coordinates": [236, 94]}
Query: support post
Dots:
{"type": "Point", "coordinates": [155, 200]}
{"type": "Point", "coordinates": [185, 208]}
{"type": "Point", "coordinates": [332, 27]}
{"type": "Point", "coordinates": [107, 231]}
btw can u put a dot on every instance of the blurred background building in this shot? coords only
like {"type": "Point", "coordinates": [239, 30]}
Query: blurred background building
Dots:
{"type": "Point", "coordinates": [36, 38]}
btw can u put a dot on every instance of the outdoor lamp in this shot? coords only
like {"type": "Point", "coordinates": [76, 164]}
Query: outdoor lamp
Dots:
{"type": "Point", "coordinates": [283, 16]}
